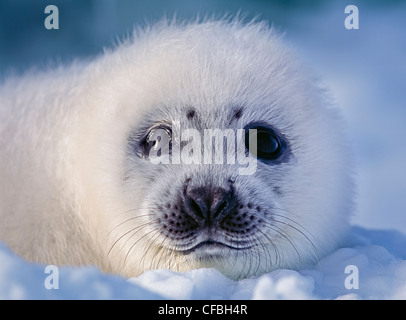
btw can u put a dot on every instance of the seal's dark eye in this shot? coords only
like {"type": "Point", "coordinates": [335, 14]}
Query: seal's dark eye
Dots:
{"type": "Point", "coordinates": [158, 142]}
{"type": "Point", "coordinates": [269, 145]}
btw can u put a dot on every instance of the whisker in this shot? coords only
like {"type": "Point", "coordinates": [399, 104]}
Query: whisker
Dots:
{"type": "Point", "coordinates": [161, 252]}
{"type": "Point", "coordinates": [272, 243]}
{"type": "Point", "coordinates": [280, 232]}
{"type": "Point", "coordinates": [268, 253]}
{"type": "Point", "coordinates": [131, 230]}
{"type": "Point", "coordinates": [309, 241]}
{"type": "Point", "coordinates": [129, 219]}
{"type": "Point", "coordinates": [149, 245]}
{"type": "Point", "coordinates": [290, 219]}
{"type": "Point", "coordinates": [258, 254]}
{"type": "Point", "coordinates": [133, 245]}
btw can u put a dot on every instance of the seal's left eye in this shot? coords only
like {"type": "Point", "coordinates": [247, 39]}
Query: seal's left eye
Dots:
{"type": "Point", "coordinates": [269, 145]}
{"type": "Point", "coordinates": [158, 142]}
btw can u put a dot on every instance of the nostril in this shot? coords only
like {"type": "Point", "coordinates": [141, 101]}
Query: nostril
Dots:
{"type": "Point", "coordinates": [198, 207]}
{"type": "Point", "coordinates": [219, 209]}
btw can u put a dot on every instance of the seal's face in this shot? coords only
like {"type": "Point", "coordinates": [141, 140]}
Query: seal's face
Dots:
{"type": "Point", "coordinates": [208, 205]}
{"type": "Point", "coordinates": [217, 196]}
{"type": "Point", "coordinates": [232, 160]}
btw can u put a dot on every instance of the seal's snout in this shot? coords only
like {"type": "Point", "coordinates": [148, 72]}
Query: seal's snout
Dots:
{"type": "Point", "coordinates": [208, 206]}
{"type": "Point", "coordinates": [207, 212]}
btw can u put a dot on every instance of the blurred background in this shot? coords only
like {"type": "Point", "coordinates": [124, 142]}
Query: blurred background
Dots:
{"type": "Point", "coordinates": [365, 69]}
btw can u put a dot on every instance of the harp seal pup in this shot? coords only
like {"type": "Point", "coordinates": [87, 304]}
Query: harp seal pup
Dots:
{"type": "Point", "coordinates": [77, 142]}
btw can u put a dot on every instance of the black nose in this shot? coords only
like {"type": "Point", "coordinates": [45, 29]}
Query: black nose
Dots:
{"type": "Point", "coordinates": [207, 206]}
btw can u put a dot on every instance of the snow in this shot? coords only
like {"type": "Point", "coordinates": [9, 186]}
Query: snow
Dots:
{"type": "Point", "coordinates": [372, 266]}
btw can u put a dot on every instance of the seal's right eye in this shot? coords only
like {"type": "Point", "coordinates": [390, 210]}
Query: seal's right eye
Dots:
{"type": "Point", "coordinates": [158, 142]}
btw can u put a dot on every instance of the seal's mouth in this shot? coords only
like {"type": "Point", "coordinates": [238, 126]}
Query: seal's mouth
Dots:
{"type": "Point", "coordinates": [210, 245]}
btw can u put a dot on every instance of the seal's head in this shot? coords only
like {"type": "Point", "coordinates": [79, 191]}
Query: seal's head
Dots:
{"type": "Point", "coordinates": [219, 150]}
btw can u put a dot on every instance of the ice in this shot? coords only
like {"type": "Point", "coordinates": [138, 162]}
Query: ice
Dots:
{"type": "Point", "coordinates": [379, 258]}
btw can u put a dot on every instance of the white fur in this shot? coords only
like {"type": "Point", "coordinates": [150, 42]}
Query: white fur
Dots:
{"type": "Point", "coordinates": [69, 193]}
